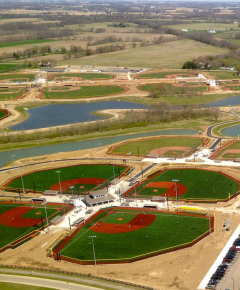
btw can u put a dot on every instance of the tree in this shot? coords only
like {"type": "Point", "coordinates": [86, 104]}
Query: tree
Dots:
{"type": "Point", "coordinates": [190, 65]}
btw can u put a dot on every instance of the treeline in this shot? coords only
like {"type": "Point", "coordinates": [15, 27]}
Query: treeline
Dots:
{"type": "Point", "coordinates": [163, 90]}
{"type": "Point", "coordinates": [158, 114]}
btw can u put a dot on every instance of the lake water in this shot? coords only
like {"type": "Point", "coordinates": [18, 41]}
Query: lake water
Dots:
{"type": "Point", "coordinates": [5, 156]}
{"type": "Point", "coordinates": [233, 131]}
{"type": "Point", "coordinates": [63, 114]}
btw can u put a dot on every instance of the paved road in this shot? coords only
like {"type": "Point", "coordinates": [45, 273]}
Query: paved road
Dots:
{"type": "Point", "coordinates": [62, 285]}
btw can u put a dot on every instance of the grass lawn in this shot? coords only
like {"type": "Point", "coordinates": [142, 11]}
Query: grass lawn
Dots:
{"type": "Point", "coordinates": [17, 77]}
{"type": "Point", "coordinates": [176, 89]}
{"type": "Point", "coordinates": [165, 232]}
{"type": "Point", "coordinates": [222, 75]}
{"type": "Point", "coordinates": [234, 88]}
{"type": "Point", "coordinates": [14, 286]}
{"type": "Point", "coordinates": [8, 234]}
{"type": "Point", "coordinates": [145, 146]}
{"type": "Point", "coordinates": [201, 184]}
{"type": "Point", "coordinates": [173, 153]}
{"type": "Point", "coordinates": [7, 66]}
{"type": "Point", "coordinates": [2, 114]}
{"type": "Point", "coordinates": [150, 191]}
{"type": "Point", "coordinates": [158, 56]}
{"type": "Point", "coordinates": [85, 91]}
{"type": "Point", "coordinates": [43, 180]}
{"type": "Point", "coordinates": [85, 76]}
{"type": "Point", "coordinates": [235, 145]}
{"type": "Point", "coordinates": [11, 94]}
{"type": "Point", "coordinates": [59, 88]}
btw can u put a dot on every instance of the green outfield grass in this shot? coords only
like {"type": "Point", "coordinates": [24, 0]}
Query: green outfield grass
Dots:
{"type": "Point", "coordinates": [176, 89]}
{"type": "Point", "coordinates": [9, 234]}
{"type": "Point", "coordinates": [17, 77]}
{"type": "Point", "coordinates": [235, 145]}
{"type": "Point", "coordinates": [163, 74]}
{"type": "Point", "coordinates": [234, 88]}
{"type": "Point", "coordinates": [164, 233]}
{"type": "Point", "coordinates": [11, 94]}
{"type": "Point", "coordinates": [150, 191]}
{"type": "Point", "coordinates": [201, 184]}
{"type": "Point", "coordinates": [43, 180]}
{"type": "Point", "coordinates": [231, 155]}
{"type": "Point", "coordinates": [84, 76]}
{"type": "Point", "coordinates": [2, 114]}
{"type": "Point", "coordinates": [84, 92]}
{"type": "Point", "coordinates": [143, 147]}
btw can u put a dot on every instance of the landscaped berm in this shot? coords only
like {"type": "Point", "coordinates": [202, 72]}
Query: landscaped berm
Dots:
{"type": "Point", "coordinates": [192, 185]}
{"type": "Point", "coordinates": [21, 222]}
{"type": "Point", "coordinates": [123, 235]}
{"type": "Point", "coordinates": [83, 178]}
{"type": "Point", "coordinates": [161, 146]}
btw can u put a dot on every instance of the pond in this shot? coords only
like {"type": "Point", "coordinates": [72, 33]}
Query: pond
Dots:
{"type": "Point", "coordinates": [64, 114]}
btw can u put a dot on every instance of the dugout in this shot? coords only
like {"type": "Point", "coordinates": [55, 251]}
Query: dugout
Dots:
{"type": "Point", "coordinates": [50, 192]}
{"type": "Point", "coordinates": [152, 206]}
{"type": "Point", "coordinates": [57, 219]}
{"type": "Point", "coordinates": [158, 199]}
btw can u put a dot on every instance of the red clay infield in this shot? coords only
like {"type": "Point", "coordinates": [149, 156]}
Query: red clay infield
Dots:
{"type": "Point", "coordinates": [67, 183]}
{"type": "Point", "coordinates": [14, 218]}
{"type": "Point", "coordinates": [170, 187]}
{"type": "Point", "coordinates": [138, 222]}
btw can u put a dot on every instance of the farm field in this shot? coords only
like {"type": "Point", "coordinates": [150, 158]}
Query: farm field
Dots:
{"type": "Point", "coordinates": [26, 42]}
{"type": "Point", "coordinates": [84, 76]}
{"type": "Point", "coordinates": [179, 88]}
{"type": "Point", "coordinates": [19, 220]}
{"type": "Point", "coordinates": [84, 92]}
{"type": "Point", "coordinates": [192, 184]}
{"type": "Point", "coordinates": [135, 234]}
{"type": "Point", "coordinates": [163, 146]}
{"type": "Point", "coordinates": [11, 93]}
{"type": "Point", "coordinates": [206, 26]}
{"type": "Point", "coordinates": [17, 77]}
{"type": "Point", "coordinates": [82, 177]}
{"type": "Point", "coordinates": [7, 66]}
{"type": "Point", "coordinates": [158, 55]}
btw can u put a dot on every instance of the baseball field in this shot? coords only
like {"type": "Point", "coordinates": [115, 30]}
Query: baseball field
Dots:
{"type": "Point", "coordinates": [126, 235]}
{"type": "Point", "coordinates": [82, 177]}
{"type": "Point", "coordinates": [20, 222]}
{"type": "Point", "coordinates": [161, 146]}
{"type": "Point", "coordinates": [83, 76]}
{"type": "Point", "coordinates": [191, 184]}
{"type": "Point", "coordinates": [229, 151]}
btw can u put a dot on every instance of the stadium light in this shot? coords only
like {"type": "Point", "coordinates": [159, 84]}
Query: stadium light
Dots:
{"type": "Point", "coordinates": [94, 256]}
{"type": "Point", "coordinates": [72, 187]}
{"type": "Point", "coordinates": [22, 180]}
{"type": "Point", "coordinates": [46, 217]}
{"type": "Point", "coordinates": [176, 180]}
{"type": "Point", "coordinates": [60, 188]}
{"type": "Point", "coordinates": [113, 170]}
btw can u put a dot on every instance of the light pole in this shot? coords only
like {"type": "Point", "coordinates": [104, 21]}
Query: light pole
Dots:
{"type": "Point", "coordinates": [94, 256]}
{"type": "Point", "coordinates": [167, 201]}
{"type": "Point", "coordinates": [113, 170]}
{"type": "Point", "coordinates": [176, 180]}
{"type": "Point", "coordinates": [129, 154]}
{"type": "Point", "coordinates": [135, 193]}
{"type": "Point", "coordinates": [60, 187]}
{"type": "Point", "coordinates": [72, 187]}
{"type": "Point", "coordinates": [22, 180]}
{"type": "Point", "coordinates": [13, 162]}
{"type": "Point", "coordinates": [233, 282]}
{"type": "Point", "coordinates": [46, 217]}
